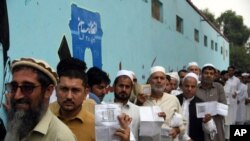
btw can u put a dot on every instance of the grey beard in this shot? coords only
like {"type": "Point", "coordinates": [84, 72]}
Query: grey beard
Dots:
{"type": "Point", "coordinates": [157, 90]}
{"type": "Point", "coordinates": [21, 123]}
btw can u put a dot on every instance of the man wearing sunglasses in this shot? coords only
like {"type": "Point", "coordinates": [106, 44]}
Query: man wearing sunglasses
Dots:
{"type": "Point", "coordinates": [29, 91]}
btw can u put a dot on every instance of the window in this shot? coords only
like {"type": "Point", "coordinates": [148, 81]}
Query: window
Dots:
{"type": "Point", "coordinates": [179, 24]}
{"type": "Point", "coordinates": [205, 40]}
{"type": "Point", "coordinates": [216, 47]}
{"type": "Point", "coordinates": [212, 44]}
{"type": "Point", "coordinates": [221, 50]}
{"type": "Point", "coordinates": [196, 35]}
{"type": "Point", "coordinates": [157, 10]}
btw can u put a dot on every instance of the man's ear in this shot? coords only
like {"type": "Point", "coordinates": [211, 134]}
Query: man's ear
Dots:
{"type": "Point", "coordinates": [49, 90]}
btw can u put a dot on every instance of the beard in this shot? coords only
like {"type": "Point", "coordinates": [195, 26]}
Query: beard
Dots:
{"type": "Point", "coordinates": [22, 122]}
{"type": "Point", "coordinates": [122, 96]}
{"type": "Point", "coordinates": [157, 89]}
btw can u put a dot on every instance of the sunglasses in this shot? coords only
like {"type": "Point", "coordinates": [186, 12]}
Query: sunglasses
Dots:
{"type": "Point", "coordinates": [26, 89]}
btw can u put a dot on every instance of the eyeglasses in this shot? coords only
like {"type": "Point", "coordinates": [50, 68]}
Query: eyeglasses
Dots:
{"type": "Point", "coordinates": [26, 89]}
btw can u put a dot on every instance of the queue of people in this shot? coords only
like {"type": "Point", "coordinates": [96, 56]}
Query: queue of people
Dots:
{"type": "Point", "coordinates": [71, 116]}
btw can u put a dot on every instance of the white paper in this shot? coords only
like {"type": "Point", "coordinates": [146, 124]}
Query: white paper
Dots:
{"type": "Point", "coordinates": [150, 122]}
{"type": "Point", "coordinates": [212, 108]}
{"type": "Point", "coordinates": [222, 109]}
{"type": "Point", "coordinates": [145, 89]}
{"type": "Point", "coordinates": [106, 122]}
{"type": "Point", "coordinates": [150, 113]}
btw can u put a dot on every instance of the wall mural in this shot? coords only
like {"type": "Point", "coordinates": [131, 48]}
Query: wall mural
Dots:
{"type": "Point", "coordinates": [86, 33]}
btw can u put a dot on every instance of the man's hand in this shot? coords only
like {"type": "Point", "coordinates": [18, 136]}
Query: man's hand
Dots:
{"type": "Point", "coordinates": [141, 98]}
{"type": "Point", "coordinates": [7, 105]}
{"type": "Point", "coordinates": [162, 114]}
{"type": "Point", "coordinates": [207, 118]}
{"type": "Point", "coordinates": [124, 131]}
{"type": "Point", "coordinates": [174, 132]}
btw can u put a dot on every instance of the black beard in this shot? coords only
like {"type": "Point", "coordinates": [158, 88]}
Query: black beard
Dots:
{"type": "Point", "coordinates": [21, 122]}
{"type": "Point", "coordinates": [122, 96]}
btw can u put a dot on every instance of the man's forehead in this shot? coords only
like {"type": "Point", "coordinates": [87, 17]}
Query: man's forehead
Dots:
{"type": "Point", "coordinates": [158, 74]}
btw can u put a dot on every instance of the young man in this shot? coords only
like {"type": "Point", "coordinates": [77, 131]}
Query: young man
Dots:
{"type": "Point", "coordinates": [71, 92]}
{"type": "Point", "coordinates": [208, 90]}
{"type": "Point", "coordinates": [98, 81]}
{"type": "Point", "coordinates": [123, 86]}
{"type": "Point", "coordinates": [29, 91]}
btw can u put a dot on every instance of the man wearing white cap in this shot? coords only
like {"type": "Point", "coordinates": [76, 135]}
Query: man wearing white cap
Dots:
{"type": "Point", "coordinates": [188, 100]}
{"type": "Point", "coordinates": [208, 90]}
{"type": "Point", "coordinates": [123, 86]}
{"type": "Point", "coordinates": [169, 104]}
{"type": "Point", "coordinates": [246, 80]}
{"type": "Point", "coordinates": [135, 90]}
{"type": "Point", "coordinates": [175, 81]}
{"type": "Point", "coordinates": [193, 67]}
{"type": "Point", "coordinates": [29, 91]}
{"type": "Point", "coordinates": [232, 90]}
{"type": "Point", "coordinates": [241, 99]}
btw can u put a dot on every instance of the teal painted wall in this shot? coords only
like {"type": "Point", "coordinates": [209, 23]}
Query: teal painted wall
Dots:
{"type": "Point", "coordinates": [130, 34]}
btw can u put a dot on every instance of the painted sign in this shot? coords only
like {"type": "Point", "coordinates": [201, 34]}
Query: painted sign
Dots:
{"type": "Point", "coordinates": [86, 33]}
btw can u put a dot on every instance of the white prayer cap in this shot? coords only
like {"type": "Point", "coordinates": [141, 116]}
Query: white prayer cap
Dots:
{"type": "Point", "coordinates": [245, 74]}
{"type": "Point", "coordinates": [174, 75]}
{"type": "Point", "coordinates": [208, 65]}
{"type": "Point", "coordinates": [191, 74]}
{"type": "Point", "coordinates": [192, 64]}
{"type": "Point", "coordinates": [132, 73]}
{"type": "Point", "coordinates": [126, 73]}
{"type": "Point", "coordinates": [157, 69]}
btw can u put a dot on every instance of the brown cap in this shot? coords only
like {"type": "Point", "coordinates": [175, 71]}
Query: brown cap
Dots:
{"type": "Point", "coordinates": [37, 64]}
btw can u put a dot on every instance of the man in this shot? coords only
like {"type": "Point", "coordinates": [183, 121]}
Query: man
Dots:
{"type": "Point", "coordinates": [98, 81]}
{"type": "Point", "coordinates": [208, 90]}
{"type": "Point", "coordinates": [169, 104]}
{"type": "Point", "coordinates": [123, 86]}
{"type": "Point", "coordinates": [232, 90]}
{"type": "Point", "coordinates": [246, 80]}
{"type": "Point", "coordinates": [71, 92]}
{"type": "Point", "coordinates": [175, 82]}
{"type": "Point", "coordinates": [188, 100]}
{"type": "Point", "coordinates": [135, 90]}
{"type": "Point", "coordinates": [241, 99]}
{"type": "Point", "coordinates": [193, 67]}
{"type": "Point", "coordinates": [29, 91]}
{"type": "Point", "coordinates": [182, 73]}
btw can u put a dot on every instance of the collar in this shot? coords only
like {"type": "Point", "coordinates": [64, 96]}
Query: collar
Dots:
{"type": "Point", "coordinates": [80, 116]}
{"type": "Point", "coordinates": [188, 99]}
{"type": "Point", "coordinates": [200, 86]}
{"type": "Point", "coordinates": [43, 125]}
{"type": "Point", "coordinates": [125, 106]}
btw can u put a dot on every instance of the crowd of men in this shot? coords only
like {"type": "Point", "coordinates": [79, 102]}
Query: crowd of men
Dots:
{"type": "Point", "coordinates": [33, 114]}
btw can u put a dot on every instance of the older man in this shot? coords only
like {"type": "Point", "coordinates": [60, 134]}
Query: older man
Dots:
{"type": "Point", "coordinates": [208, 90]}
{"type": "Point", "coordinates": [188, 100]}
{"type": "Point", "coordinates": [193, 67]}
{"type": "Point", "coordinates": [169, 104]}
{"type": "Point", "coordinates": [29, 91]}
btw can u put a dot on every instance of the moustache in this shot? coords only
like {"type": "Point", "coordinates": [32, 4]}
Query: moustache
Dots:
{"type": "Point", "coordinates": [21, 101]}
{"type": "Point", "coordinates": [68, 101]}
